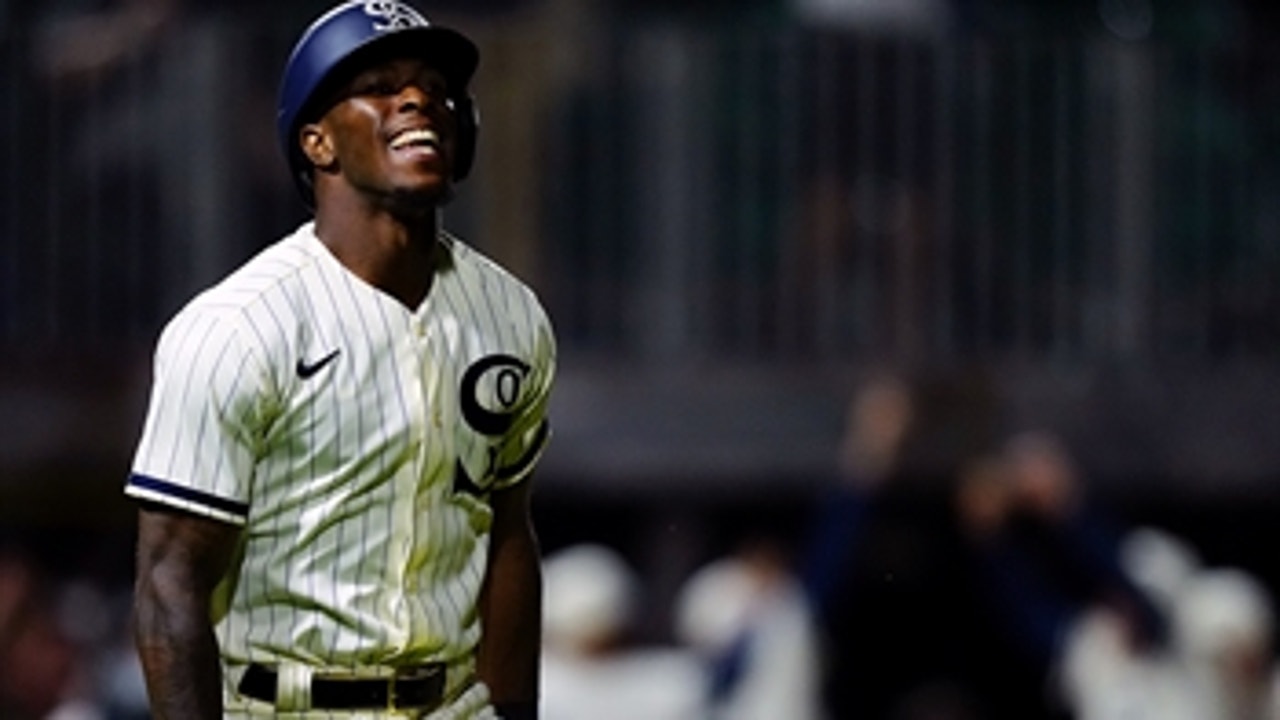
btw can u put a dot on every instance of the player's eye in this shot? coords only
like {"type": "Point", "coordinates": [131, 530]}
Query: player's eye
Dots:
{"type": "Point", "coordinates": [435, 89]}
{"type": "Point", "coordinates": [377, 87]}
{"type": "Point", "coordinates": [374, 83]}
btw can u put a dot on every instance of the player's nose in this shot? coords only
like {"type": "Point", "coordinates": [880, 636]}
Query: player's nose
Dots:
{"type": "Point", "coordinates": [414, 97]}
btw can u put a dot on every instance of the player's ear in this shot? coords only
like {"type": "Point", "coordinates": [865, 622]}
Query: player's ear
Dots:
{"type": "Point", "coordinates": [317, 145]}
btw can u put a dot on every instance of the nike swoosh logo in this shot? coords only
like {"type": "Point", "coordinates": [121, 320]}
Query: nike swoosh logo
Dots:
{"type": "Point", "coordinates": [306, 370]}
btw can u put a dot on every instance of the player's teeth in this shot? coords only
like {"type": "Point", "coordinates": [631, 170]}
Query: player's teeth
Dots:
{"type": "Point", "coordinates": [414, 136]}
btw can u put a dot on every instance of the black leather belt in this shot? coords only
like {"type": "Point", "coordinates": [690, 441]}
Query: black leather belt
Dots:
{"type": "Point", "coordinates": [419, 687]}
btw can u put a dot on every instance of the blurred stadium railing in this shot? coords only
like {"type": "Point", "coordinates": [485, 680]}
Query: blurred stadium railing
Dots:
{"type": "Point", "coordinates": [729, 219]}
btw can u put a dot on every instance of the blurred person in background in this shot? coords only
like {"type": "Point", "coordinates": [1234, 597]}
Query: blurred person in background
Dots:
{"type": "Point", "coordinates": [880, 415]}
{"type": "Point", "coordinates": [902, 633]}
{"type": "Point", "coordinates": [748, 619]}
{"type": "Point", "coordinates": [1224, 623]}
{"type": "Point", "coordinates": [1042, 553]}
{"type": "Point", "coordinates": [1124, 623]}
{"type": "Point", "coordinates": [1217, 662]}
{"type": "Point", "coordinates": [592, 666]}
{"type": "Point", "coordinates": [93, 606]}
{"type": "Point", "coordinates": [42, 673]}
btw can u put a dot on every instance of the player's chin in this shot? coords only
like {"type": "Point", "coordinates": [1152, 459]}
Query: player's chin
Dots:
{"type": "Point", "coordinates": [423, 195]}
{"type": "Point", "coordinates": [420, 200]}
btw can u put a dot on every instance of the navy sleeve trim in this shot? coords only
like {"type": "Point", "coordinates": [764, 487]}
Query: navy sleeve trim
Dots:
{"type": "Point", "coordinates": [155, 486]}
{"type": "Point", "coordinates": [530, 454]}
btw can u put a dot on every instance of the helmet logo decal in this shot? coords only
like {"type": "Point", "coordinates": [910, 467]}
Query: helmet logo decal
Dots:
{"type": "Point", "coordinates": [395, 15]}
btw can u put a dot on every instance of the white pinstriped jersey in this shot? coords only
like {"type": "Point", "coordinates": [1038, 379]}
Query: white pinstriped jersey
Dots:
{"type": "Point", "coordinates": [355, 440]}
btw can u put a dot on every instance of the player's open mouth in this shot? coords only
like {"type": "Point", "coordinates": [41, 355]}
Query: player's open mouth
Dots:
{"type": "Point", "coordinates": [416, 138]}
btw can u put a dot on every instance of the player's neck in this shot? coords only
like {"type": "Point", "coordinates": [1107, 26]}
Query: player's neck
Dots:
{"type": "Point", "coordinates": [394, 254]}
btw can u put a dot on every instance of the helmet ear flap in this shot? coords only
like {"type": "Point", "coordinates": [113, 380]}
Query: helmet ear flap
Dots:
{"type": "Point", "coordinates": [467, 121]}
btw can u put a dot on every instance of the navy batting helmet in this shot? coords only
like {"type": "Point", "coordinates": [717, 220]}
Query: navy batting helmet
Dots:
{"type": "Point", "coordinates": [346, 33]}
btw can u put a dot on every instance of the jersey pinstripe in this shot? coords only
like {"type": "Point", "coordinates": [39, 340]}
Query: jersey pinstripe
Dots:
{"type": "Point", "coordinates": [355, 440]}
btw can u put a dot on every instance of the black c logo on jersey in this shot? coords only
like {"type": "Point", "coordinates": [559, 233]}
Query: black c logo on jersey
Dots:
{"type": "Point", "coordinates": [509, 373]}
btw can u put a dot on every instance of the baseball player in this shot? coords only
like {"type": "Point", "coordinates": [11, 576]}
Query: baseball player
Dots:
{"type": "Point", "coordinates": [333, 471]}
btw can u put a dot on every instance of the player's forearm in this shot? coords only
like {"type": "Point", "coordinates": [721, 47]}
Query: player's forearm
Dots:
{"type": "Point", "coordinates": [511, 616]}
{"type": "Point", "coordinates": [179, 656]}
{"type": "Point", "coordinates": [180, 559]}
{"type": "Point", "coordinates": [511, 642]}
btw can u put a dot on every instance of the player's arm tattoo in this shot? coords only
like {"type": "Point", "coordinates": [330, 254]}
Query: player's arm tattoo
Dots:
{"type": "Point", "coordinates": [180, 558]}
{"type": "Point", "coordinates": [511, 602]}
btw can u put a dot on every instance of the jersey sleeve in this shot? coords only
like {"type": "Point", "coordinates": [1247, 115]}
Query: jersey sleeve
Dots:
{"type": "Point", "coordinates": [531, 431]}
{"type": "Point", "coordinates": [197, 449]}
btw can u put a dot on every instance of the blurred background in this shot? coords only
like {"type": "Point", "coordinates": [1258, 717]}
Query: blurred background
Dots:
{"type": "Point", "coordinates": [941, 329]}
